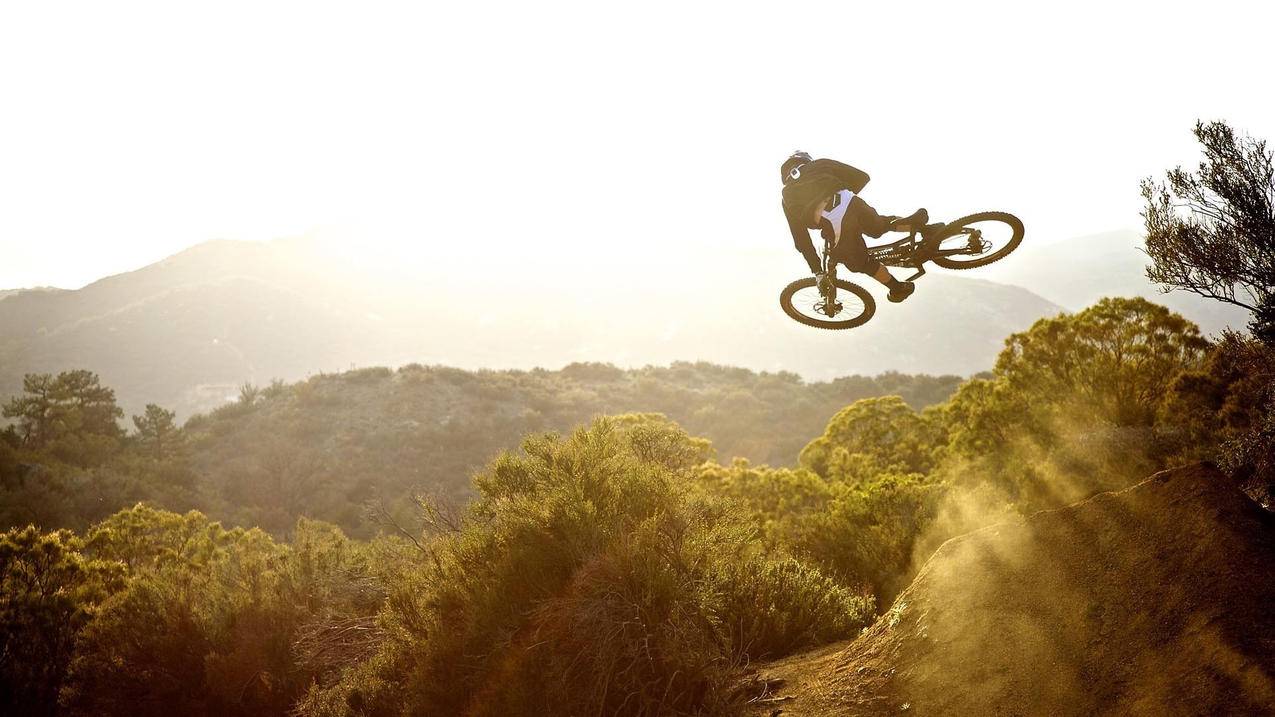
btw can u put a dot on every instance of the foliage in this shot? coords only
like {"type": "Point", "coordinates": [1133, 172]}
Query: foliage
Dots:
{"type": "Point", "coordinates": [329, 446]}
{"type": "Point", "coordinates": [774, 500]}
{"type": "Point", "coordinates": [157, 432]}
{"type": "Point", "coordinates": [48, 592]}
{"type": "Point", "coordinates": [66, 463]}
{"type": "Point", "coordinates": [1223, 411]}
{"type": "Point", "coordinates": [614, 570]}
{"type": "Point", "coordinates": [222, 610]}
{"type": "Point", "coordinates": [1071, 406]}
{"type": "Point", "coordinates": [870, 437]}
{"type": "Point", "coordinates": [859, 531]}
{"type": "Point", "coordinates": [1113, 361]}
{"type": "Point", "coordinates": [1223, 246]}
{"type": "Point", "coordinates": [337, 445]}
{"type": "Point", "coordinates": [593, 579]}
{"type": "Point", "coordinates": [866, 535]}
{"type": "Point", "coordinates": [72, 416]}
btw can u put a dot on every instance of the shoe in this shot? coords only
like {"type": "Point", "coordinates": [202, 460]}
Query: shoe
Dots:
{"type": "Point", "coordinates": [901, 291]}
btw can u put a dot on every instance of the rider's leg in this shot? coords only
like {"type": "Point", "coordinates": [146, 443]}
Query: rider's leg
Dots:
{"type": "Point", "coordinates": [874, 225]}
{"type": "Point", "coordinates": [852, 250]}
{"type": "Point", "coordinates": [853, 253]}
{"type": "Point", "coordinates": [883, 275]}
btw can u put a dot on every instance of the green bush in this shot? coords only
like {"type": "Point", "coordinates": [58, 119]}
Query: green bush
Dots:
{"type": "Point", "coordinates": [591, 576]}
{"type": "Point", "coordinates": [48, 592]}
{"type": "Point", "coordinates": [208, 619]}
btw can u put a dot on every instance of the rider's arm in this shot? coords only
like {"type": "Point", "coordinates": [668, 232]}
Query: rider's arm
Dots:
{"type": "Point", "coordinates": [801, 239]}
{"type": "Point", "coordinates": [853, 178]}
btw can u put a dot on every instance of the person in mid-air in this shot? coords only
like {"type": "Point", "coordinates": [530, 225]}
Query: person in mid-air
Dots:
{"type": "Point", "coordinates": [823, 194]}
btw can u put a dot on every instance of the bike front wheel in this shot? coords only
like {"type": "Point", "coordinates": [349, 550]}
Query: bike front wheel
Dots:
{"type": "Point", "coordinates": [849, 306]}
{"type": "Point", "coordinates": [978, 240]}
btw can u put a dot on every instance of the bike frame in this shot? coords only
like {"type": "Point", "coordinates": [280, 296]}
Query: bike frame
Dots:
{"type": "Point", "coordinates": [908, 252]}
{"type": "Point", "coordinates": [917, 246]}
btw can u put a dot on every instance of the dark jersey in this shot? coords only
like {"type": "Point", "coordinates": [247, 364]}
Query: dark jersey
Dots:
{"type": "Point", "coordinates": [819, 180]}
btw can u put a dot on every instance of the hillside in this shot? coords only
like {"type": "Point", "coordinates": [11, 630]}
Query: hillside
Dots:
{"type": "Point", "coordinates": [326, 446]}
{"type": "Point", "coordinates": [1107, 264]}
{"type": "Point", "coordinates": [6, 293]}
{"type": "Point", "coordinates": [624, 541]}
{"type": "Point", "coordinates": [1152, 600]}
{"type": "Point", "coordinates": [186, 332]}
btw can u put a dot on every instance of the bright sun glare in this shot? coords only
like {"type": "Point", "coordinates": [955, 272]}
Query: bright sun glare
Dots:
{"type": "Point", "coordinates": [446, 132]}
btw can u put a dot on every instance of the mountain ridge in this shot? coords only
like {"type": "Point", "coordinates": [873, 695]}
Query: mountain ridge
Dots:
{"type": "Point", "coordinates": [293, 309]}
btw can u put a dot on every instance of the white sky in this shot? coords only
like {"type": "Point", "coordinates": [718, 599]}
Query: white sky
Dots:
{"type": "Point", "coordinates": [475, 133]}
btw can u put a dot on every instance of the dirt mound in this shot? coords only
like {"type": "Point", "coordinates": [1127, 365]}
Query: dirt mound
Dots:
{"type": "Point", "coordinates": [1159, 599]}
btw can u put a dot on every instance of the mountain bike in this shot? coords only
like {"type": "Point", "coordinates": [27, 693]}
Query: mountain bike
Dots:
{"type": "Point", "coordinates": [969, 242]}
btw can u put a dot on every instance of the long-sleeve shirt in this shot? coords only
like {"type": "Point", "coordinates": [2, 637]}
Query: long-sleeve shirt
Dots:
{"type": "Point", "coordinates": [819, 180]}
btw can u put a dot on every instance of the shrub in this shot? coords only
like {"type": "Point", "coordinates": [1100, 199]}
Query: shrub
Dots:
{"type": "Point", "coordinates": [590, 576]}
{"type": "Point", "coordinates": [48, 593]}
{"type": "Point", "coordinates": [207, 622]}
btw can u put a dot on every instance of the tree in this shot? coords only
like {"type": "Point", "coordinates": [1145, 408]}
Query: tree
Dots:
{"type": "Point", "coordinates": [73, 415]}
{"type": "Point", "coordinates": [82, 395]}
{"type": "Point", "coordinates": [1223, 246]}
{"type": "Point", "coordinates": [1072, 406]}
{"type": "Point", "coordinates": [1112, 362]}
{"type": "Point", "coordinates": [249, 394]}
{"type": "Point", "coordinates": [872, 436]}
{"type": "Point", "coordinates": [1225, 411]}
{"type": "Point", "coordinates": [157, 431]}
{"type": "Point", "coordinates": [35, 410]}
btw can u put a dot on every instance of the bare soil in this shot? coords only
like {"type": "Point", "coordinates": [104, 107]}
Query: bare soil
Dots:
{"type": "Point", "coordinates": [1155, 600]}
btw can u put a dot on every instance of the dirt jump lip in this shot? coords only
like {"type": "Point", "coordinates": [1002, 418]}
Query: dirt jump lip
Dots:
{"type": "Point", "coordinates": [1155, 599]}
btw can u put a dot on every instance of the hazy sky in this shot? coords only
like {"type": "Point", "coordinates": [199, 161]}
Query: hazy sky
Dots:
{"type": "Point", "coordinates": [549, 135]}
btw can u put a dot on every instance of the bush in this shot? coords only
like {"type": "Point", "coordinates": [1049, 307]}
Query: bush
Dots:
{"type": "Point", "coordinates": [591, 576]}
{"type": "Point", "coordinates": [207, 621]}
{"type": "Point", "coordinates": [48, 593]}
{"type": "Point", "coordinates": [866, 535]}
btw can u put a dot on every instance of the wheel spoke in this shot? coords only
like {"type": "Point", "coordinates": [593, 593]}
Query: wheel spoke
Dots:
{"type": "Point", "coordinates": [804, 302]}
{"type": "Point", "coordinates": [809, 300]}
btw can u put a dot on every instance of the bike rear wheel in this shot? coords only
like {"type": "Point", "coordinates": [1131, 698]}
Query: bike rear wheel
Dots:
{"type": "Point", "coordinates": [985, 237]}
{"type": "Point", "coordinates": [852, 304]}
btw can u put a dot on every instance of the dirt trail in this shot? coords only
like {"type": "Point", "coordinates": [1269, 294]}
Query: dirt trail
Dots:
{"type": "Point", "coordinates": [1156, 600]}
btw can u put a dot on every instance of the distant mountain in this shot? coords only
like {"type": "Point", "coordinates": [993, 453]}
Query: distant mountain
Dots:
{"type": "Point", "coordinates": [1077, 272]}
{"type": "Point", "coordinates": [5, 293]}
{"type": "Point", "coordinates": [187, 331]}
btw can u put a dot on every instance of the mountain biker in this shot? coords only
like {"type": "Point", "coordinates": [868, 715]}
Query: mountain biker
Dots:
{"type": "Point", "coordinates": [823, 194]}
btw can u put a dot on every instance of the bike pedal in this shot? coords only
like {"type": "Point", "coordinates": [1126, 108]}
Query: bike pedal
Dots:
{"type": "Point", "coordinates": [920, 272]}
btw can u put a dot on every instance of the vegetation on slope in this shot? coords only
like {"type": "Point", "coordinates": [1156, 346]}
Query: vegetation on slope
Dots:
{"type": "Point", "coordinates": [353, 448]}
{"type": "Point", "coordinates": [614, 570]}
